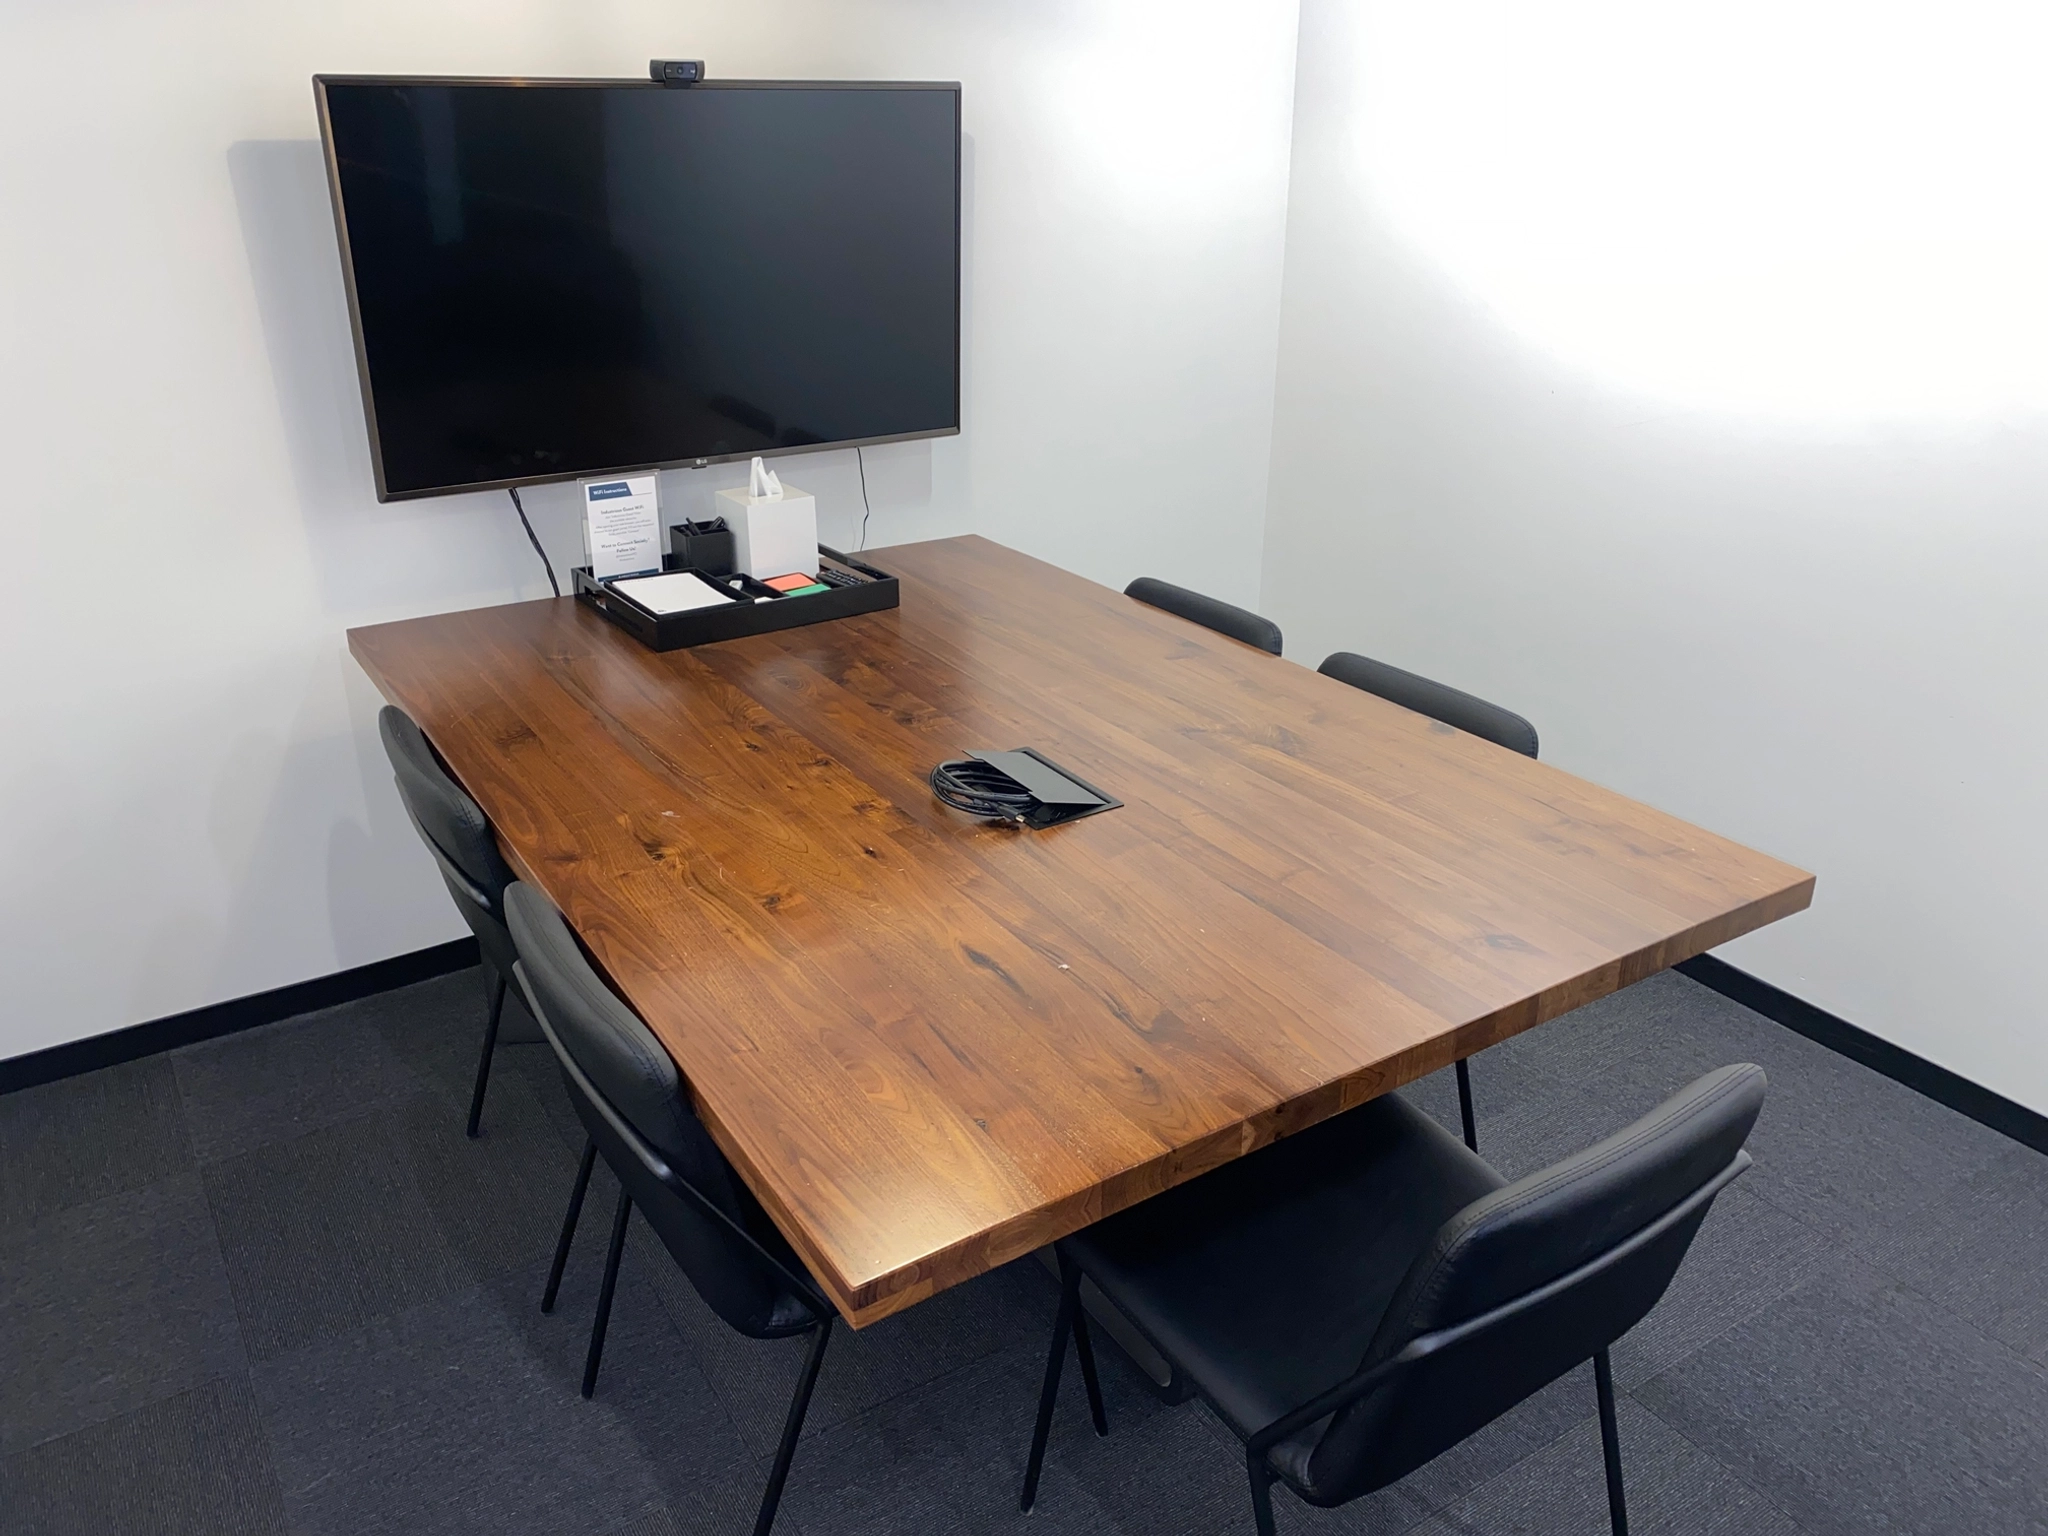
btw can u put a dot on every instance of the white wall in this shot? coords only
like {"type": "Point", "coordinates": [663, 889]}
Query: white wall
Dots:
{"type": "Point", "coordinates": [1678, 376]}
{"type": "Point", "coordinates": [195, 805]}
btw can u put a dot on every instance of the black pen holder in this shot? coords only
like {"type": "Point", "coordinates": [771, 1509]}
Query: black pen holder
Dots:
{"type": "Point", "coordinates": [706, 547]}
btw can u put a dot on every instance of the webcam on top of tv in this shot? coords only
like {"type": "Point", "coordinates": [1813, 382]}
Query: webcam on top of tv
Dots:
{"type": "Point", "coordinates": [676, 71]}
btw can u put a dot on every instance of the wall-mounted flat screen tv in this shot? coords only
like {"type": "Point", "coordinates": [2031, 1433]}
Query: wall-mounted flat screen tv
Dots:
{"type": "Point", "coordinates": [550, 279]}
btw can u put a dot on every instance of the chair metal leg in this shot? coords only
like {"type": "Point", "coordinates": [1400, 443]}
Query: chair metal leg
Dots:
{"type": "Point", "coordinates": [547, 1300]}
{"type": "Point", "coordinates": [1610, 1443]}
{"type": "Point", "coordinates": [1048, 1394]}
{"type": "Point", "coordinates": [483, 1066]}
{"type": "Point", "coordinates": [604, 1296]}
{"type": "Point", "coordinates": [792, 1427]}
{"type": "Point", "coordinates": [1085, 1349]}
{"type": "Point", "coordinates": [1262, 1492]}
{"type": "Point", "coordinates": [1465, 1105]}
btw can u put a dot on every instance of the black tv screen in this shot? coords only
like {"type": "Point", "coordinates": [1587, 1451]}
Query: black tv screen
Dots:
{"type": "Point", "coordinates": [559, 278]}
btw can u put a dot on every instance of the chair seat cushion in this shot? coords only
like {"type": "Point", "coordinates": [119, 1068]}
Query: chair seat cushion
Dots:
{"type": "Point", "coordinates": [1266, 1279]}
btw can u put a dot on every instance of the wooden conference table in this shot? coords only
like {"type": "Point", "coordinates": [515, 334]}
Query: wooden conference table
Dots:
{"type": "Point", "coordinates": [931, 1045]}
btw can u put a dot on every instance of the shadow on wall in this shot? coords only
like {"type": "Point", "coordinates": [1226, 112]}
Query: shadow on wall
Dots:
{"type": "Point", "coordinates": [307, 839]}
{"type": "Point", "coordinates": [371, 559]}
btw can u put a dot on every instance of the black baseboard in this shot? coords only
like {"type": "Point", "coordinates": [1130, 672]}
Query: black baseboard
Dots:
{"type": "Point", "coordinates": [239, 1013]}
{"type": "Point", "coordinates": [1860, 1045]}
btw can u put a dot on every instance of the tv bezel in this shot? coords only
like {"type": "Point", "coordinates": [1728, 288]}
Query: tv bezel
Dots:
{"type": "Point", "coordinates": [355, 320]}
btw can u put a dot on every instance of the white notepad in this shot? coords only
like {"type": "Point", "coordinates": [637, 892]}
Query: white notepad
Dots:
{"type": "Point", "coordinates": [675, 592]}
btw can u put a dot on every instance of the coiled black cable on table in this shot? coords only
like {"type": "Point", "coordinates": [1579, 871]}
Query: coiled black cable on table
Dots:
{"type": "Point", "coordinates": [980, 789]}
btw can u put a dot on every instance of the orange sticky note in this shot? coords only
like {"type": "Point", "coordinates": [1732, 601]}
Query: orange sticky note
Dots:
{"type": "Point", "coordinates": [790, 583]}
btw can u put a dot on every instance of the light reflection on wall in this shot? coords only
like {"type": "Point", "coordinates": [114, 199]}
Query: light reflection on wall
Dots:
{"type": "Point", "coordinates": [1807, 207]}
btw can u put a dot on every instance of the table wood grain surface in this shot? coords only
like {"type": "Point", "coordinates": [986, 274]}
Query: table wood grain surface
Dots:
{"type": "Point", "coordinates": [931, 1045]}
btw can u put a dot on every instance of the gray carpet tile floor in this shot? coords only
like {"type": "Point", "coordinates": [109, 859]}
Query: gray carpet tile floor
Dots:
{"type": "Point", "coordinates": [265, 1284]}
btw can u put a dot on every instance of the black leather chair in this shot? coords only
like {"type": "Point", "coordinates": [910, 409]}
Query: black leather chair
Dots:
{"type": "Point", "coordinates": [630, 1098]}
{"type": "Point", "coordinates": [1356, 1299]}
{"type": "Point", "coordinates": [458, 835]}
{"type": "Point", "coordinates": [1210, 613]}
{"type": "Point", "coordinates": [1453, 707]}
{"type": "Point", "coordinates": [1502, 727]}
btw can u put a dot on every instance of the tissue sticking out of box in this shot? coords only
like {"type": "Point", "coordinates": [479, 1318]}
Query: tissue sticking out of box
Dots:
{"type": "Point", "coordinates": [761, 482]}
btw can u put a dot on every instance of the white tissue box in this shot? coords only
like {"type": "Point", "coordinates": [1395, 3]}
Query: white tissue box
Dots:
{"type": "Point", "coordinates": [772, 535]}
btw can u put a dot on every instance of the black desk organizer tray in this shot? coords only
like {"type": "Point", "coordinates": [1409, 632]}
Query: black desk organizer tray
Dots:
{"type": "Point", "coordinates": [868, 591]}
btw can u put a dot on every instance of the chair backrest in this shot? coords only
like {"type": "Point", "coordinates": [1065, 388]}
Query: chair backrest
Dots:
{"type": "Point", "coordinates": [1209, 612]}
{"type": "Point", "coordinates": [610, 1059]}
{"type": "Point", "coordinates": [1502, 727]}
{"type": "Point", "coordinates": [1563, 1263]}
{"type": "Point", "coordinates": [456, 832]}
